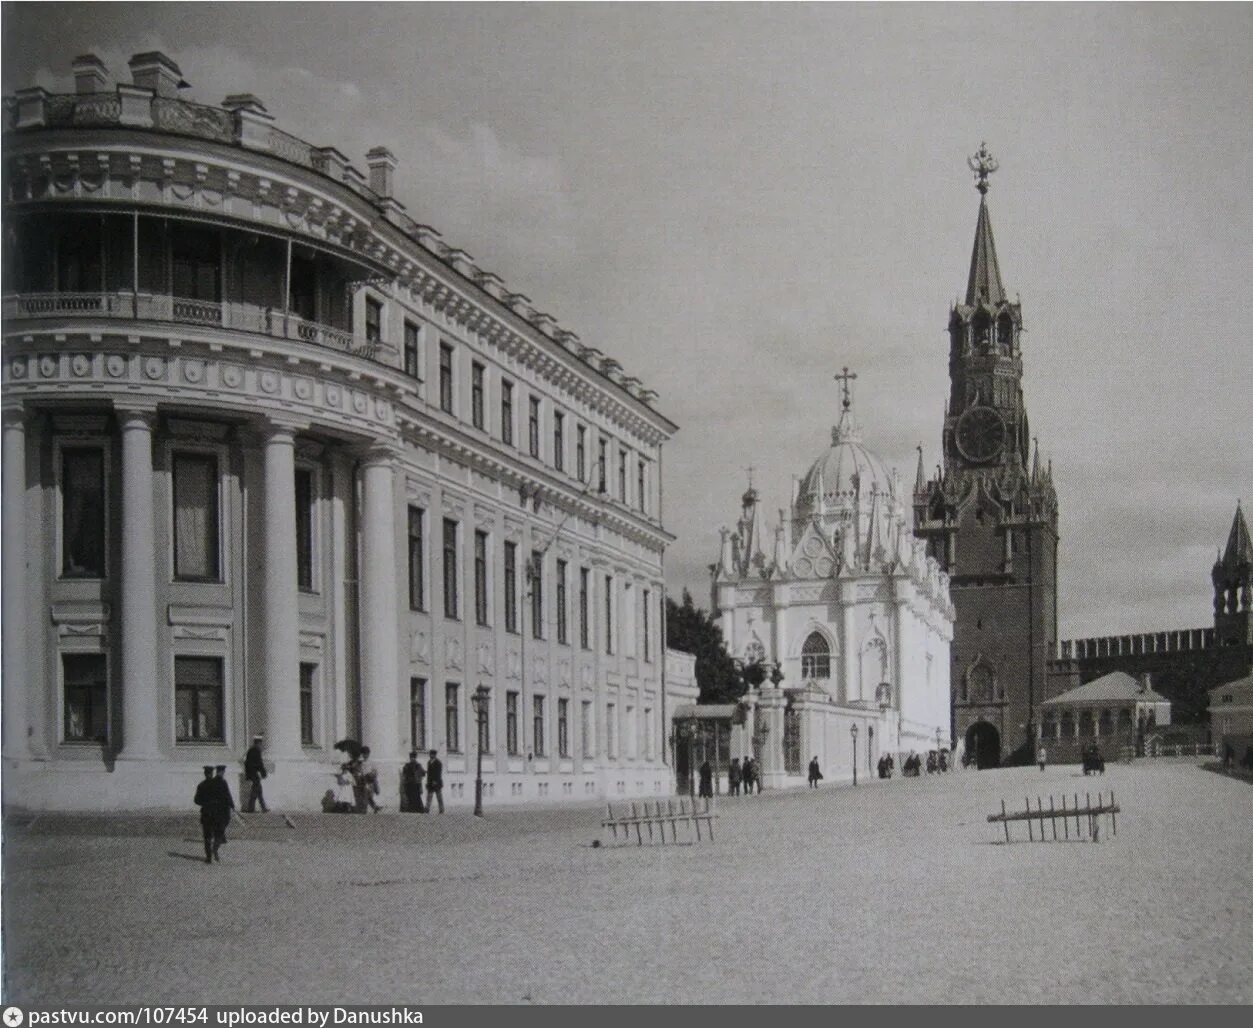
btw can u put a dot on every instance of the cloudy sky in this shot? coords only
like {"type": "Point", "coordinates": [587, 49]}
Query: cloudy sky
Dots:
{"type": "Point", "coordinates": [738, 200]}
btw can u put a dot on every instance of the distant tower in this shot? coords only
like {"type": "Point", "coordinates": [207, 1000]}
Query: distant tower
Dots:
{"type": "Point", "coordinates": [990, 515]}
{"type": "Point", "coordinates": [1233, 587]}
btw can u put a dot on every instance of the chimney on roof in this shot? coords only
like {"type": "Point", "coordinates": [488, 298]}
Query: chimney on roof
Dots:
{"type": "Point", "coordinates": [154, 70]}
{"type": "Point", "coordinates": [382, 164]}
{"type": "Point", "coordinates": [243, 102]}
{"type": "Point", "coordinates": [89, 74]}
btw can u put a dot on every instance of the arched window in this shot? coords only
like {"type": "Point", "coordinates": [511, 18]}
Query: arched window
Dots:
{"type": "Point", "coordinates": [983, 332]}
{"type": "Point", "coordinates": [815, 657]}
{"type": "Point", "coordinates": [1005, 334]}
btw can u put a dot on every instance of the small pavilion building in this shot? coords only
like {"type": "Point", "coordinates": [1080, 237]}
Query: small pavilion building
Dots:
{"type": "Point", "coordinates": [1114, 712]}
{"type": "Point", "coordinates": [1231, 719]}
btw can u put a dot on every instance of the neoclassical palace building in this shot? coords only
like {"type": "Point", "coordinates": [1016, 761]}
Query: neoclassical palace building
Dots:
{"type": "Point", "coordinates": [277, 459]}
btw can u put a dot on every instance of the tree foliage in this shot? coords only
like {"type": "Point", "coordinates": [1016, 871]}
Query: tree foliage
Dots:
{"type": "Point", "coordinates": [693, 630]}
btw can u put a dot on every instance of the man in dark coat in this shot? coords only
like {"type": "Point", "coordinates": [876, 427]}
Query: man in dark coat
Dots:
{"type": "Point", "coordinates": [254, 771]}
{"type": "Point", "coordinates": [204, 800]}
{"type": "Point", "coordinates": [706, 780]}
{"type": "Point", "coordinates": [213, 797]}
{"type": "Point", "coordinates": [411, 776]}
{"type": "Point", "coordinates": [434, 781]}
{"type": "Point", "coordinates": [815, 773]}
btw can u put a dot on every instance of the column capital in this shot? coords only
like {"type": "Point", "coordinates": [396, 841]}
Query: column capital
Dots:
{"type": "Point", "coordinates": [14, 413]}
{"type": "Point", "coordinates": [383, 451]}
{"type": "Point", "coordinates": [132, 413]}
{"type": "Point", "coordinates": [275, 427]}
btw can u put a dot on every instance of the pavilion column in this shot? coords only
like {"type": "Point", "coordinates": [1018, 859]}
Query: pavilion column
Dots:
{"type": "Point", "coordinates": [851, 691]}
{"type": "Point", "coordinates": [280, 596]}
{"type": "Point", "coordinates": [16, 677]}
{"type": "Point", "coordinates": [379, 664]}
{"type": "Point", "coordinates": [902, 644]}
{"type": "Point", "coordinates": [139, 678]}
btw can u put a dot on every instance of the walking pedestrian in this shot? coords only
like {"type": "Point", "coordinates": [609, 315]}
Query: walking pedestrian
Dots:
{"type": "Point", "coordinates": [213, 797]}
{"type": "Point", "coordinates": [365, 782]}
{"type": "Point", "coordinates": [225, 803]}
{"type": "Point", "coordinates": [815, 773]}
{"type": "Point", "coordinates": [1041, 757]}
{"type": "Point", "coordinates": [706, 780]}
{"type": "Point", "coordinates": [203, 799]}
{"type": "Point", "coordinates": [434, 781]}
{"type": "Point", "coordinates": [411, 776]}
{"type": "Point", "coordinates": [733, 777]}
{"type": "Point", "coordinates": [254, 772]}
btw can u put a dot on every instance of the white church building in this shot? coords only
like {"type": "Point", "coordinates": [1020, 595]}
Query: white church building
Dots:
{"type": "Point", "coordinates": [843, 600]}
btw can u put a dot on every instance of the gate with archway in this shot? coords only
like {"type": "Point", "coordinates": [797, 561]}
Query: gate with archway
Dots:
{"type": "Point", "coordinates": [983, 743]}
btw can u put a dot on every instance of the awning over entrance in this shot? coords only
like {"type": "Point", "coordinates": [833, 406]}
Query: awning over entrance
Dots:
{"type": "Point", "coordinates": [706, 711]}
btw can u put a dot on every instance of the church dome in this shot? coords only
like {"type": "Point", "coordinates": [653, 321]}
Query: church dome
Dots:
{"type": "Point", "coordinates": [845, 469]}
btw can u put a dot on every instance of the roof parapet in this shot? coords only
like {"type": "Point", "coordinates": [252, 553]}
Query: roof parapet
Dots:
{"type": "Point", "coordinates": [90, 74]}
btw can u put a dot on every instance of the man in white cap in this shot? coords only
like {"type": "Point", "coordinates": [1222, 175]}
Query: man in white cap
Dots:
{"type": "Point", "coordinates": [254, 771]}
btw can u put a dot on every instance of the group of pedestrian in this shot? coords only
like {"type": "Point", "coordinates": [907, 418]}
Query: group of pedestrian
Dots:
{"type": "Point", "coordinates": [213, 797]}
{"type": "Point", "coordinates": [744, 774]}
{"type": "Point", "coordinates": [411, 776]}
{"type": "Point", "coordinates": [887, 764]}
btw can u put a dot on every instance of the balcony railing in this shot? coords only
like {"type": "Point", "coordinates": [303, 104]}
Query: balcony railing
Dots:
{"type": "Point", "coordinates": [239, 317]}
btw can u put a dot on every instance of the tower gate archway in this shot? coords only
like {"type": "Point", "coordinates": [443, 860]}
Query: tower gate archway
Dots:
{"type": "Point", "coordinates": [983, 743]}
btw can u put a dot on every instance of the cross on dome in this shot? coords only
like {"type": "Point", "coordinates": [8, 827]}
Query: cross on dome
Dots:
{"type": "Point", "coordinates": [844, 378]}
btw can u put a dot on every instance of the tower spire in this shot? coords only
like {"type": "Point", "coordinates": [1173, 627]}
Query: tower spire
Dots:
{"type": "Point", "coordinates": [984, 282]}
{"type": "Point", "coordinates": [920, 480]}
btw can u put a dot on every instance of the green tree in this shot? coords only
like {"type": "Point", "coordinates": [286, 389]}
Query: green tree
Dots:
{"type": "Point", "coordinates": [693, 630]}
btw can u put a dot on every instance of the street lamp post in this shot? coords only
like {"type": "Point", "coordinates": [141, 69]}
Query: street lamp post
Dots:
{"type": "Point", "coordinates": [853, 731]}
{"type": "Point", "coordinates": [481, 698]}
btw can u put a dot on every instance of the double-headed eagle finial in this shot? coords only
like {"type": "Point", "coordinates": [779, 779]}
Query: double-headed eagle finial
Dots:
{"type": "Point", "coordinates": [982, 164]}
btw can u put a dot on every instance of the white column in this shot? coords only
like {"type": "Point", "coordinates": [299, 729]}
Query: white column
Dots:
{"type": "Point", "coordinates": [138, 678]}
{"type": "Point", "coordinates": [901, 665]}
{"type": "Point", "coordinates": [849, 644]}
{"type": "Point", "coordinates": [280, 597]}
{"type": "Point", "coordinates": [16, 676]}
{"type": "Point", "coordinates": [378, 608]}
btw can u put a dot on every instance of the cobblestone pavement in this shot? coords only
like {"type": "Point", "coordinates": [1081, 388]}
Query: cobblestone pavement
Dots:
{"type": "Point", "coordinates": [891, 892]}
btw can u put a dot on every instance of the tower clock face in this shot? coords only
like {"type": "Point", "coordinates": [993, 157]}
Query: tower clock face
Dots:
{"type": "Point", "coordinates": [980, 434]}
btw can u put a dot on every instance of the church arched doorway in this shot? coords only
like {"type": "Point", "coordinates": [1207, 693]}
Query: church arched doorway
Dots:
{"type": "Point", "coordinates": [983, 744]}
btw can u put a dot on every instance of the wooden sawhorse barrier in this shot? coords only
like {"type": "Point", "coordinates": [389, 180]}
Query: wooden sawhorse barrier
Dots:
{"type": "Point", "coordinates": [1088, 815]}
{"type": "Point", "coordinates": [657, 814]}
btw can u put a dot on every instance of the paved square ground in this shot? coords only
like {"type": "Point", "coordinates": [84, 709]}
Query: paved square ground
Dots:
{"type": "Point", "coordinates": [893, 892]}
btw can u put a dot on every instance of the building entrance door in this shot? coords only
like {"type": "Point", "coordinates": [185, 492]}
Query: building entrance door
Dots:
{"type": "Point", "coordinates": [983, 742]}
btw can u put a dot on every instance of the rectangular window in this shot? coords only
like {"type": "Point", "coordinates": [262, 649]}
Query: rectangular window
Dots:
{"type": "Point", "coordinates": [533, 427]}
{"type": "Point", "coordinates": [445, 378]}
{"type": "Point", "coordinates": [537, 594]}
{"type": "Point", "coordinates": [417, 714]}
{"type": "Point", "coordinates": [559, 440]}
{"type": "Point", "coordinates": [480, 578]}
{"type": "Point", "coordinates": [198, 699]}
{"type": "Point", "coordinates": [484, 725]}
{"type": "Point", "coordinates": [585, 729]}
{"type": "Point", "coordinates": [611, 731]}
{"type": "Point", "coordinates": [417, 559]}
{"type": "Point", "coordinates": [537, 714]}
{"type": "Point", "coordinates": [584, 601]}
{"type": "Point", "coordinates": [477, 371]}
{"type": "Point", "coordinates": [626, 608]}
{"type": "Point", "coordinates": [640, 494]}
{"type": "Point", "coordinates": [648, 640]}
{"type": "Point", "coordinates": [631, 751]}
{"type": "Point", "coordinates": [86, 696]}
{"type": "Point", "coordinates": [609, 614]}
{"type": "Point", "coordinates": [304, 529]}
{"type": "Point", "coordinates": [452, 717]}
{"type": "Point", "coordinates": [602, 467]}
{"type": "Point", "coordinates": [411, 350]}
{"type": "Point", "coordinates": [196, 517]}
{"type": "Point", "coordinates": [580, 453]}
{"type": "Point", "coordinates": [622, 475]}
{"type": "Point", "coordinates": [511, 587]}
{"type": "Point", "coordinates": [506, 413]}
{"type": "Point", "coordinates": [373, 320]}
{"type": "Point", "coordinates": [511, 723]}
{"type": "Point", "coordinates": [307, 671]}
{"type": "Point", "coordinates": [451, 598]}
{"type": "Point", "coordinates": [563, 629]}
{"type": "Point", "coordinates": [82, 513]}
{"type": "Point", "coordinates": [648, 733]}
{"type": "Point", "coordinates": [563, 728]}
